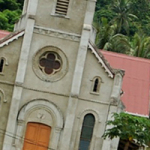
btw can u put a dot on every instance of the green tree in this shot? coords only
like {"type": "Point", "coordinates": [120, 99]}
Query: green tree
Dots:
{"type": "Point", "coordinates": [129, 127]}
{"type": "Point", "coordinates": [122, 16]}
{"type": "Point", "coordinates": [142, 10]}
{"type": "Point", "coordinates": [8, 19]}
{"type": "Point", "coordinates": [103, 10]}
{"type": "Point", "coordinates": [140, 46]}
{"type": "Point", "coordinates": [118, 43]}
{"type": "Point", "coordinates": [9, 4]}
{"type": "Point", "coordinates": [104, 32]}
{"type": "Point", "coordinates": [10, 11]}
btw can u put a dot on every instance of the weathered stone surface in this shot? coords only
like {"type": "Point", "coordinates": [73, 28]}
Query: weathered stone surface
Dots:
{"type": "Point", "coordinates": [60, 102]}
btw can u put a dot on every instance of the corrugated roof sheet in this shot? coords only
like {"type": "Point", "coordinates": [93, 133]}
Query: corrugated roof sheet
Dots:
{"type": "Point", "coordinates": [136, 82]}
{"type": "Point", "coordinates": [3, 33]}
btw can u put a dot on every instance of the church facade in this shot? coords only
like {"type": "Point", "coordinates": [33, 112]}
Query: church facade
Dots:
{"type": "Point", "coordinates": [56, 89]}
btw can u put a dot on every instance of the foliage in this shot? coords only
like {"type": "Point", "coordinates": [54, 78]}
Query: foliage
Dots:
{"type": "Point", "coordinates": [8, 4]}
{"type": "Point", "coordinates": [10, 11]}
{"type": "Point", "coordinates": [8, 19]}
{"type": "Point", "coordinates": [134, 13]}
{"type": "Point", "coordinates": [104, 32]}
{"type": "Point", "coordinates": [141, 46]}
{"type": "Point", "coordinates": [142, 10]}
{"type": "Point", "coordinates": [107, 39]}
{"type": "Point", "coordinates": [118, 43]}
{"type": "Point", "coordinates": [122, 16]}
{"type": "Point", "coordinates": [128, 18]}
{"type": "Point", "coordinates": [129, 127]}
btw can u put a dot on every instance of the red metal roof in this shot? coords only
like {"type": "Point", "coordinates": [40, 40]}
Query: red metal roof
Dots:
{"type": "Point", "coordinates": [136, 82]}
{"type": "Point", "coordinates": [3, 33]}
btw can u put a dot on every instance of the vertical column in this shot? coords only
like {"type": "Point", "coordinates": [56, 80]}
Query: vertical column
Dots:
{"type": "Point", "coordinates": [114, 107]}
{"type": "Point", "coordinates": [107, 142]}
{"type": "Point", "coordinates": [21, 71]}
{"type": "Point", "coordinates": [77, 78]}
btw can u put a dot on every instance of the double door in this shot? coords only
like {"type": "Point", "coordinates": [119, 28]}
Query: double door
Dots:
{"type": "Point", "coordinates": [37, 137]}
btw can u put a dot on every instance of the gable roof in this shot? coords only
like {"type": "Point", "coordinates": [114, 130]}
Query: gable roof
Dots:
{"type": "Point", "coordinates": [3, 33]}
{"type": "Point", "coordinates": [136, 82]}
{"type": "Point", "coordinates": [11, 37]}
{"type": "Point", "coordinates": [104, 63]}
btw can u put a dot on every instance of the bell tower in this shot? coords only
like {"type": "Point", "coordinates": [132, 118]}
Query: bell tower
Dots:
{"type": "Point", "coordinates": [63, 15]}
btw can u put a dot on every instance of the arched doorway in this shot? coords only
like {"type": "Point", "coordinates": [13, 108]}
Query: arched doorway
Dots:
{"type": "Point", "coordinates": [37, 136]}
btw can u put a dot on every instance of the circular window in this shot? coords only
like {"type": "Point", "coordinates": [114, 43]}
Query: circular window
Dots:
{"type": "Point", "coordinates": [50, 64]}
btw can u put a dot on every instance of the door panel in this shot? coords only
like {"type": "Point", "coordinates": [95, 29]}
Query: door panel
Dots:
{"type": "Point", "coordinates": [37, 137]}
{"type": "Point", "coordinates": [43, 138]}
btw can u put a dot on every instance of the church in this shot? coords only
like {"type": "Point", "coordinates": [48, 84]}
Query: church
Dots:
{"type": "Point", "coordinates": [56, 89]}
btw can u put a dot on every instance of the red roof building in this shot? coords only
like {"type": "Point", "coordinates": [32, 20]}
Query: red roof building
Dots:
{"type": "Point", "coordinates": [3, 33]}
{"type": "Point", "coordinates": [136, 82]}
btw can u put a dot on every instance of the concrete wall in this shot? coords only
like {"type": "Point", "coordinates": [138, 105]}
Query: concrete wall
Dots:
{"type": "Point", "coordinates": [11, 54]}
{"type": "Point", "coordinates": [63, 99]}
{"type": "Point", "coordinates": [71, 23]}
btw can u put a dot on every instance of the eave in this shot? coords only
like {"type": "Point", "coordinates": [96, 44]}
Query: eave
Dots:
{"type": "Point", "coordinates": [11, 37]}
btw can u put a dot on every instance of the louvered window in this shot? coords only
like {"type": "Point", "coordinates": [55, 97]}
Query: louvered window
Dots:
{"type": "Point", "coordinates": [62, 7]}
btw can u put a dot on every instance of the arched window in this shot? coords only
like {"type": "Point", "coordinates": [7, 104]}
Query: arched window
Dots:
{"type": "Point", "coordinates": [96, 82]}
{"type": "Point", "coordinates": [1, 65]}
{"type": "Point", "coordinates": [86, 132]}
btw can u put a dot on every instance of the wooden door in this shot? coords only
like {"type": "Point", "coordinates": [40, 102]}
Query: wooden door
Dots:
{"type": "Point", "coordinates": [36, 137]}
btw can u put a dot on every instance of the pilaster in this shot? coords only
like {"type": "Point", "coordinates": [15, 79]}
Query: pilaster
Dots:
{"type": "Point", "coordinates": [114, 106]}
{"type": "Point", "coordinates": [77, 78]}
{"type": "Point", "coordinates": [17, 92]}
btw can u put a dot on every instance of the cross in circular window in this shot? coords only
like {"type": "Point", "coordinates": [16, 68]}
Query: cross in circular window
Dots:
{"type": "Point", "coordinates": [50, 63]}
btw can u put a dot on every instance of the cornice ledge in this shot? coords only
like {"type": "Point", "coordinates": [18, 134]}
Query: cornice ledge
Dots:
{"type": "Point", "coordinates": [121, 72]}
{"type": "Point", "coordinates": [87, 27]}
{"type": "Point", "coordinates": [57, 33]}
{"type": "Point", "coordinates": [31, 17]}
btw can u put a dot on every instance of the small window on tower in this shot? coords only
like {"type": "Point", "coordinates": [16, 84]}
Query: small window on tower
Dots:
{"type": "Point", "coordinates": [96, 83]}
{"type": "Point", "coordinates": [62, 7]}
{"type": "Point", "coordinates": [1, 65]}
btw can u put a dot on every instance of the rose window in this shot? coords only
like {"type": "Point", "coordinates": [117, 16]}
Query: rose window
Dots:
{"type": "Point", "coordinates": [50, 63]}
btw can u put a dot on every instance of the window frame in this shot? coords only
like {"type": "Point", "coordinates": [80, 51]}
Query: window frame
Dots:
{"type": "Point", "coordinates": [3, 66]}
{"type": "Point", "coordinates": [98, 86]}
{"type": "Point", "coordinates": [97, 126]}
{"type": "Point", "coordinates": [85, 125]}
{"type": "Point", "coordinates": [59, 15]}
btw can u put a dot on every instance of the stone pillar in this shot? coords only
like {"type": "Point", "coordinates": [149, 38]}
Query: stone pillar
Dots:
{"type": "Point", "coordinates": [113, 107]}
{"type": "Point", "coordinates": [77, 78]}
{"type": "Point", "coordinates": [21, 71]}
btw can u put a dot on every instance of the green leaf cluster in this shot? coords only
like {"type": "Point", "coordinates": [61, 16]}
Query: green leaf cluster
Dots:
{"type": "Point", "coordinates": [129, 15]}
{"type": "Point", "coordinates": [10, 11]}
{"type": "Point", "coordinates": [123, 26]}
{"type": "Point", "coordinates": [129, 127]}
